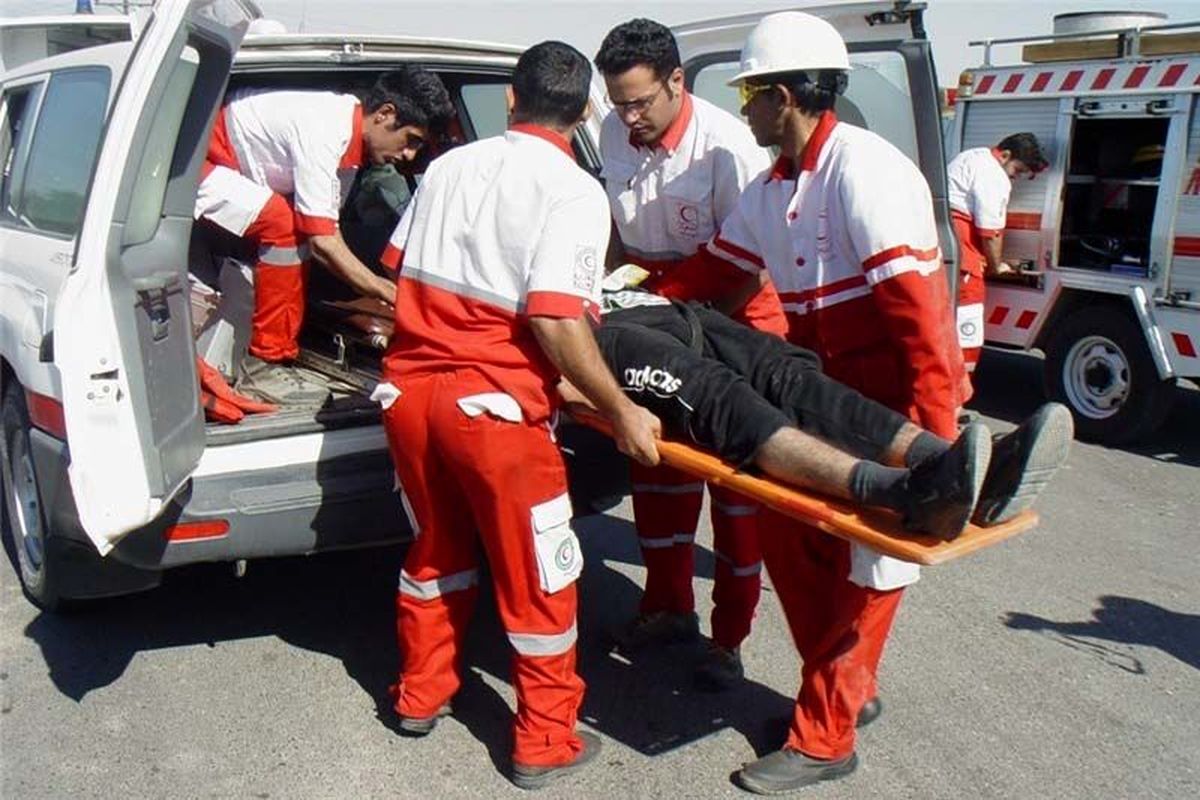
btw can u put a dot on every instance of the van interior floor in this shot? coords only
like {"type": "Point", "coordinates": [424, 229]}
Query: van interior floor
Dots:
{"type": "Point", "coordinates": [348, 405]}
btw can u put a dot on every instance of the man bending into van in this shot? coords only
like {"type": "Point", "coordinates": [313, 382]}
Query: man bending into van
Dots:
{"type": "Point", "coordinates": [279, 164]}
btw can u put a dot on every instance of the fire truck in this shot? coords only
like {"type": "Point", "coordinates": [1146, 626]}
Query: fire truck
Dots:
{"type": "Point", "coordinates": [1108, 237]}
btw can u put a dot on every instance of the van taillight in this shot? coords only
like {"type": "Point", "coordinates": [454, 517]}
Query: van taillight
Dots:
{"type": "Point", "coordinates": [190, 531]}
{"type": "Point", "coordinates": [46, 414]}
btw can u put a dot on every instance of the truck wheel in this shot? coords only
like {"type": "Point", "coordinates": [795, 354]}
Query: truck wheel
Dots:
{"type": "Point", "coordinates": [1098, 365]}
{"type": "Point", "coordinates": [26, 528]}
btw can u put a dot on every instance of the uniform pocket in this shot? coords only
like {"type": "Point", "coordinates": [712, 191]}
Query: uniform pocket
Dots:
{"type": "Point", "coordinates": [559, 559]}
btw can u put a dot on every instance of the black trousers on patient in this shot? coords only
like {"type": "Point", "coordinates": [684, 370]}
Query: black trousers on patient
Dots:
{"type": "Point", "coordinates": [729, 388]}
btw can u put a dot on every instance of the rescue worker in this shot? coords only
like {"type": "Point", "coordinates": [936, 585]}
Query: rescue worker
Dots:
{"type": "Point", "coordinates": [844, 224]}
{"type": "Point", "coordinates": [279, 164]}
{"type": "Point", "coordinates": [502, 251]}
{"type": "Point", "coordinates": [674, 166]}
{"type": "Point", "coordinates": [980, 183]}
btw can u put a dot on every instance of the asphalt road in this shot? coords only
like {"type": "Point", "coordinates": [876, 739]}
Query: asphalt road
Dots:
{"type": "Point", "coordinates": [1062, 664]}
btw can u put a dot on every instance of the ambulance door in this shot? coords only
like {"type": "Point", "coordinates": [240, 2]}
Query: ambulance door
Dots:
{"type": "Point", "coordinates": [892, 90]}
{"type": "Point", "coordinates": [122, 329]}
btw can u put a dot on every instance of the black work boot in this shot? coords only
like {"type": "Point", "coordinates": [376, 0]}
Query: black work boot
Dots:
{"type": "Point", "coordinates": [1023, 462]}
{"type": "Point", "coordinates": [532, 777]}
{"type": "Point", "coordinates": [660, 628]}
{"type": "Point", "coordinates": [869, 712]}
{"type": "Point", "coordinates": [421, 726]}
{"type": "Point", "coordinates": [788, 770]}
{"type": "Point", "coordinates": [942, 491]}
{"type": "Point", "coordinates": [720, 668]}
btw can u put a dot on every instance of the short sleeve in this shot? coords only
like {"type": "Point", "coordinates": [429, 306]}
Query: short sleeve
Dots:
{"type": "Point", "coordinates": [989, 200]}
{"type": "Point", "coordinates": [393, 252]}
{"type": "Point", "coordinates": [734, 166]}
{"type": "Point", "coordinates": [568, 264]}
{"type": "Point", "coordinates": [735, 241]}
{"type": "Point", "coordinates": [317, 150]}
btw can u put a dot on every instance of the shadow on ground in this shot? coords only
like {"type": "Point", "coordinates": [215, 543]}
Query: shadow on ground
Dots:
{"type": "Point", "coordinates": [342, 605]}
{"type": "Point", "coordinates": [1128, 623]}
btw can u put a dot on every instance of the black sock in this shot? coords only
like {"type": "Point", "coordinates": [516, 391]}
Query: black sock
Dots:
{"type": "Point", "coordinates": [877, 485]}
{"type": "Point", "coordinates": [925, 446]}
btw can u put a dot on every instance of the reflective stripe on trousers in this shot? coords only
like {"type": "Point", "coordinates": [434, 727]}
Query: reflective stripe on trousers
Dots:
{"type": "Point", "coordinates": [544, 644]}
{"type": "Point", "coordinates": [436, 587]}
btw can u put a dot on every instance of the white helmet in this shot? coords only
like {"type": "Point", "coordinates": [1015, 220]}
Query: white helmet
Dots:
{"type": "Point", "coordinates": [791, 41]}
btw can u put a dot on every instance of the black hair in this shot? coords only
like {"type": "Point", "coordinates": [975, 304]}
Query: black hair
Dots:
{"type": "Point", "coordinates": [636, 43]}
{"type": "Point", "coordinates": [812, 96]}
{"type": "Point", "coordinates": [1025, 148]}
{"type": "Point", "coordinates": [418, 96]}
{"type": "Point", "coordinates": [551, 84]}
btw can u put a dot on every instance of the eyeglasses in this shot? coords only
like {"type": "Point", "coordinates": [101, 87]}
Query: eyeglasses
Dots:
{"type": "Point", "coordinates": [640, 105]}
{"type": "Point", "coordinates": [749, 91]}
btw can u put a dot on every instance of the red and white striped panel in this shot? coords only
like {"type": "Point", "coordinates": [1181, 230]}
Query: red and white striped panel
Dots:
{"type": "Point", "coordinates": [1012, 316]}
{"type": "Point", "coordinates": [1178, 74]}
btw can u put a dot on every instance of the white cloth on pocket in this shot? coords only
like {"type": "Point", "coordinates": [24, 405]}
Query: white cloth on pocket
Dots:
{"type": "Point", "coordinates": [385, 394]}
{"type": "Point", "coordinates": [498, 404]}
{"type": "Point", "coordinates": [872, 570]}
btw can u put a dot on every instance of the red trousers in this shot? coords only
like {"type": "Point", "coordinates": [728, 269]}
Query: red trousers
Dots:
{"type": "Point", "coordinates": [472, 482]}
{"type": "Point", "coordinates": [247, 209]}
{"type": "Point", "coordinates": [666, 507]}
{"type": "Point", "coordinates": [839, 628]}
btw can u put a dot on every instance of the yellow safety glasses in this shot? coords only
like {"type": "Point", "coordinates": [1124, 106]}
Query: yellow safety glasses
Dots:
{"type": "Point", "coordinates": [748, 91]}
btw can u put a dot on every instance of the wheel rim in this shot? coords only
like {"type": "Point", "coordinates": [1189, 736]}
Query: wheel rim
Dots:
{"type": "Point", "coordinates": [27, 508]}
{"type": "Point", "coordinates": [1096, 377]}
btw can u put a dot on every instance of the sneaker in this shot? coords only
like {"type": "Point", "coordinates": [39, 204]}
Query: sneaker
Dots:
{"type": "Point", "coordinates": [421, 726]}
{"type": "Point", "coordinates": [720, 668]}
{"type": "Point", "coordinates": [869, 712]}
{"type": "Point", "coordinates": [1023, 462]}
{"type": "Point", "coordinates": [943, 491]}
{"type": "Point", "coordinates": [788, 770]}
{"type": "Point", "coordinates": [533, 777]}
{"type": "Point", "coordinates": [282, 384]}
{"type": "Point", "coordinates": [660, 627]}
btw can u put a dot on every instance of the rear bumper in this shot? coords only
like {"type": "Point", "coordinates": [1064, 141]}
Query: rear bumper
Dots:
{"type": "Point", "coordinates": [340, 500]}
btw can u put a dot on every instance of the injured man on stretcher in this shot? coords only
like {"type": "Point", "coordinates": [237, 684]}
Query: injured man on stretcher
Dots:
{"type": "Point", "coordinates": [756, 400]}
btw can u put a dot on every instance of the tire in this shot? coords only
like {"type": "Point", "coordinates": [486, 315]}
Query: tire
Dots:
{"type": "Point", "coordinates": [1099, 366]}
{"type": "Point", "coordinates": [26, 533]}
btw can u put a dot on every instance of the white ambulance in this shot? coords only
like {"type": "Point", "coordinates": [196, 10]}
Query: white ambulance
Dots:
{"type": "Point", "coordinates": [1110, 233]}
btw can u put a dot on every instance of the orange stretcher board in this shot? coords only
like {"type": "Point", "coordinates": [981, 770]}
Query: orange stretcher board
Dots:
{"type": "Point", "coordinates": [878, 529]}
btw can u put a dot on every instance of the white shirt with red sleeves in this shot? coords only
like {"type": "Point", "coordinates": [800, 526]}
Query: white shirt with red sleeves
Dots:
{"type": "Point", "coordinates": [500, 230]}
{"type": "Point", "coordinates": [858, 213]}
{"type": "Point", "coordinates": [979, 190]}
{"type": "Point", "coordinates": [668, 199]}
{"type": "Point", "coordinates": [302, 143]}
